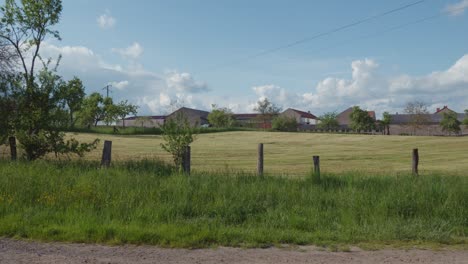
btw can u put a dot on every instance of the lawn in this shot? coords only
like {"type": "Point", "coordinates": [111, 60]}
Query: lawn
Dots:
{"type": "Point", "coordinates": [291, 153]}
{"type": "Point", "coordinates": [146, 203]}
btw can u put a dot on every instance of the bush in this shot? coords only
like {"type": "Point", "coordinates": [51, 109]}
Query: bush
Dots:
{"type": "Point", "coordinates": [284, 123]}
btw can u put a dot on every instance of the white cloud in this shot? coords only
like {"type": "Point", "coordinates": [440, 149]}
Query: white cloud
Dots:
{"type": "Point", "coordinates": [367, 86]}
{"type": "Point", "coordinates": [106, 21]}
{"type": "Point", "coordinates": [120, 85]}
{"type": "Point", "coordinates": [134, 51]}
{"type": "Point", "coordinates": [184, 82]}
{"type": "Point", "coordinates": [457, 8]}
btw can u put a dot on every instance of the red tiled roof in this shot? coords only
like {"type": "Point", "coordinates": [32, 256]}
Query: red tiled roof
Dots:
{"type": "Point", "coordinates": [305, 114]}
{"type": "Point", "coordinates": [371, 114]}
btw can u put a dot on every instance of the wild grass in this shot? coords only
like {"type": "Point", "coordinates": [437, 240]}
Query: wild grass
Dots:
{"type": "Point", "coordinates": [148, 203]}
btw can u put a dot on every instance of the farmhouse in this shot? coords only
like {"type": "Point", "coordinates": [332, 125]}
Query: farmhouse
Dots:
{"type": "Point", "coordinates": [422, 124]}
{"type": "Point", "coordinates": [142, 121]}
{"type": "Point", "coordinates": [344, 118]}
{"type": "Point", "coordinates": [302, 118]}
{"type": "Point", "coordinates": [195, 117]}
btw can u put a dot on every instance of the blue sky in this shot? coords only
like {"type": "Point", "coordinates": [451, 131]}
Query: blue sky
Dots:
{"type": "Point", "coordinates": [195, 53]}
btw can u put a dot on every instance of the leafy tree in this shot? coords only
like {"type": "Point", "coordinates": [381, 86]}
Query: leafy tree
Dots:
{"type": "Point", "coordinates": [92, 110]}
{"type": "Point", "coordinates": [110, 111]}
{"type": "Point", "coordinates": [419, 115]}
{"type": "Point", "coordinates": [8, 58]}
{"type": "Point", "coordinates": [8, 84]}
{"type": "Point", "coordinates": [284, 123]}
{"type": "Point", "coordinates": [328, 121]}
{"type": "Point", "coordinates": [72, 94]}
{"type": "Point", "coordinates": [465, 121]}
{"type": "Point", "coordinates": [221, 117]}
{"type": "Point", "coordinates": [387, 119]}
{"type": "Point", "coordinates": [450, 123]}
{"type": "Point", "coordinates": [124, 109]}
{"type": "Point", "coordinates": [24, 25]}
{"type": "Point", "coordinates": [38, 115]}
{"type": "Point", "coordinates": [267, 111]}
{"type": "Point", "coordinates": [360, 120]}
{"type": "Point", "coordinates": [178, 134]}
{"type": "Point", "coordinates": [142, 120]}
{"type": "Point", "coordinates": [40, 122]}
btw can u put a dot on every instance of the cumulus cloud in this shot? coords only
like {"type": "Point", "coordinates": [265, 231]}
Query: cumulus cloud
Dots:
{"type": "Point", "coordinates": [120, 85]}
{"type": "Point", "coordinates": [134, 51]}
{"type": "Point", "coordinates": [366, 86]}
{"type": "Point", "coordinates": [457, 8]}
{"type": "Point", "coordinates": [184, 82]}
{"type": "Point", "coordinates": [106, 21]}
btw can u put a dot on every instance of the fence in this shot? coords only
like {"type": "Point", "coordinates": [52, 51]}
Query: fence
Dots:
{"type": "Point", "coordinates": [186, 159]}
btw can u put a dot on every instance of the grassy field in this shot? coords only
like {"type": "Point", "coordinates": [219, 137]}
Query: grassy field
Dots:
{"type": "Point", "coordinates": [145, 203]}
{"type": "Point", "coordinates": [291, 153]}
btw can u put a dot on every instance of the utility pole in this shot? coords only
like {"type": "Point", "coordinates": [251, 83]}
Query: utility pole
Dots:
{"type": "Point", "coordinates": [107, 87]}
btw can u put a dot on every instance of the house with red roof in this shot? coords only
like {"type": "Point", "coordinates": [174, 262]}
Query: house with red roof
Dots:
{"type": "Point", "coordinates": [302, 118]}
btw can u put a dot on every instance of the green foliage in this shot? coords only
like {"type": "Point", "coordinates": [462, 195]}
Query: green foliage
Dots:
{"type": "Point", "coordinates": [92, 110]}
{"type": "Point", "coordinates": [25, 27]}
{"type": "Point", "coordinates": [72, 93]}
{"type": "Point", "coordinates": [221, 117]}
{"type": "Point", "coordinates": [387, 119]}
{"type": "Point", "coordinates": [284, 123]}
{"type": "Point", "coordinates": [328, 121]}
{"type": "Point", "coordinates": [465, 121]}
{"type": "Point", "coordinates": [124, 108]}
{"type": "Point", "coordinates": [178, 134]}
{"type": "Point", "coordinates": [145, 203]}
{"type": "Point", "coordinates": [450, 123]}
{"type": "Point", "coordinates": [267, 111]}
{"type": "Point", "coordinates": [360, 120]}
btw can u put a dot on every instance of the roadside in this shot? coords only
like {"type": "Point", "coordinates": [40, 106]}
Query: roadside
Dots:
{"type": "Point", "coordinates": [14, 251]}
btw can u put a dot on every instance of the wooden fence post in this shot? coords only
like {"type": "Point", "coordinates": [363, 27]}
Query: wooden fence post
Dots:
{"type": "Point", "coordinates": [317, 167]}
{"type": "Point", "coordinates": [12, 141]}
{"type": "Point", "coordinates": [106, 154]}
{"type": "Point", "coordinates": [186, 161]}
{"type": "Point", "coordinates": [415, 162]}
{"type": "Point", "coordinates": [260, 160]}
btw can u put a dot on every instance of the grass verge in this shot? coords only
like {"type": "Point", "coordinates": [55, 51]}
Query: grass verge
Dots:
{"type": "Point", "coordinates": [147, 203]}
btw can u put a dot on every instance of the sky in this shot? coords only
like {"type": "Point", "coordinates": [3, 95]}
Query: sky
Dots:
{"type": "Point", "coordinates": [196, 53]}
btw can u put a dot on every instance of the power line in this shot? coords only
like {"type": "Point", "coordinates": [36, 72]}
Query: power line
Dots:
{"type": "Point", "coordinates": [326, 33]}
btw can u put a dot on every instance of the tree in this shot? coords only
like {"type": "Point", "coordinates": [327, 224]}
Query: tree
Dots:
{"type": "Point", "coordinates": [8, 57]}
{"type": "Point", "coordinates": [419, 115]}
{"type": "Point", "coordinates": [284, 123]}
{"type": "Point", "coordinates": [220, 117]}
{"type": "Point", "coordinates": [124, 109]}
{"type": "Point", "coordinates": [267, 111]}
{"type": "Point", "coordinates": [8, 84]}
{"type": "Point", "coordinates": [142, 120]}
{"type": "Point", "coordinates": [360, 120]}
{"type": "Point", "coordinates": [450, 123]}
{"type": "Point", "coordinates": [386, 120]}
{"type": "Point", "coordinates": [328, 121]}
{"type": "Point", "coordinates": [38, 115]}
{"type": "Point", "coordinates": [72, 94]}
{"type": "Point", "coordinates": [465, 121]}
{"type": "Point", "coordinates": [178, 134]}
{"type": "Point", "coordinates": [25, 27]}
{"type": "Point", "coordinates": [92, 110]}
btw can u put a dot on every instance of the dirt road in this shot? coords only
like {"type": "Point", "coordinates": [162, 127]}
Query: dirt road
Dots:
{"type": "Point", "coordinates": [13, 251]}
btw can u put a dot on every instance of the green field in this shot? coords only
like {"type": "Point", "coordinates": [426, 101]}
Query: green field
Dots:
{"type": "Point", "coordinates": [291, 153]}
{"type": "Point", "coordinates": [145, 203]}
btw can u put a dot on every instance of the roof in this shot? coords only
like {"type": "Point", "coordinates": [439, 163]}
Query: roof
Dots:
{"type": "Point", "coordinates": [152, 117]}
{"type": "Point", "coordinates": [303, 114]}
{"type": "Point", "coordinates": [431, 118]}
{"type": "Point", "coordinates": [198, 112]}
{"type": "Point", "coordinates": [443, 109]}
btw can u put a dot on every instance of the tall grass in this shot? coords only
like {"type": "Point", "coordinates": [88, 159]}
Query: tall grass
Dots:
{"type": "Point", "coordinates": [147, 203]}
